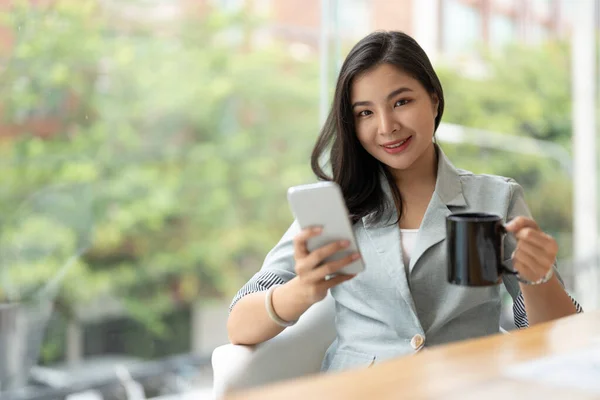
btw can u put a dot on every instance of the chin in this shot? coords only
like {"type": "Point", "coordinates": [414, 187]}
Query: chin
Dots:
{"type": "Point", "coordinates": [403, 161]}
{"type": "Point", "coordinates": [399, 163]}
{"type": "Point", "coordinates": [399, 166]}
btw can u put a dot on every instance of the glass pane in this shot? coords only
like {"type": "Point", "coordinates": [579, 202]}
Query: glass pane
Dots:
{"type": "Point", "coordinates": [146, 149]}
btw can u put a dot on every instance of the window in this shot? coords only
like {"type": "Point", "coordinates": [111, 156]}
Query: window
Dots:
{"type": "Point", "coordinates": [146, 158]}
{"type": "Point", "coordinates": [146, 149]}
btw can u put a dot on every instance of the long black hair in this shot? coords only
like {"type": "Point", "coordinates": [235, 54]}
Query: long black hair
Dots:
{"type": "Point", "coordinates": [352, 167]}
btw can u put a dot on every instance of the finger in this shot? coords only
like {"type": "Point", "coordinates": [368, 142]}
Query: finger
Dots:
{"type": "Point", "coordinates": [527, 266]}
{"type": "Point", "coordinates": [300, 239]}
{"type": "Point", "coordinates": [537, 239]}
{"type": "Point", "coordinates": [522, 266]}
{"type": "Point", "coordinates": [540, 255]}
{"type": "Point", "coordinates": [333, 267]}
{"type": "Point", "coordinates": [317, 256]}
{"type": "Point", "coordinates": [519, 223]}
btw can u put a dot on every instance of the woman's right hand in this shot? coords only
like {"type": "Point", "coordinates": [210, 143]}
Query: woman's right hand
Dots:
{"type": "Point", "coordinates": [310, 270]}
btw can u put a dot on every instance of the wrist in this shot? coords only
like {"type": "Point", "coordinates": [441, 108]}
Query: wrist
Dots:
{"type": "Point", "coordinates": [543, 280]}
{"type": "Point", "coordinates": [297, 293]}
{"type": "Point", "coordinates": [289, 301]}
{"type": "Point", "coordinates": [273, 314]}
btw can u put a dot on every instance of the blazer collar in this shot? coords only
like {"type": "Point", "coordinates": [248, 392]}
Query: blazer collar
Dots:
{"type": "Point", "coordinates": [448, 190]}
{"type": "Point", "coordinates": [448, 185]}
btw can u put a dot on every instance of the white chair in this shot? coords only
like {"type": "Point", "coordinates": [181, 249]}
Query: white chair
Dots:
{"type": "Point", "coordinates": [295, 352]}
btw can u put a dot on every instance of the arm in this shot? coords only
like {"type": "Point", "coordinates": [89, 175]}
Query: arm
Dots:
{"type": "Point", "coordinates": [302, 276]}
{"type": "Point", "coordinates": [249, 322]}
{"type": "Point", "coordinates": [533, 254]}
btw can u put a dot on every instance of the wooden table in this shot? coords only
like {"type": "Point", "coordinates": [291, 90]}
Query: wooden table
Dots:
{"type": "Point", "coordinates": [473, 369]}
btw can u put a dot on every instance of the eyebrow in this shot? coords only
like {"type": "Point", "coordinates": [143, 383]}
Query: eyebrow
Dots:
{"type": "Point", "coordinates": [389, 97]}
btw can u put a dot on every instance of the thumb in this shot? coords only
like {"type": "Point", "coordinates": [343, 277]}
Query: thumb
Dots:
{"type": "Point", "coordinates": [511, 226]}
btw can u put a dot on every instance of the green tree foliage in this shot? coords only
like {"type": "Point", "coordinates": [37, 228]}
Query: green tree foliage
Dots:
{"type": "Point", "coordinates": [523, 92]}
{"type": "Point", "coordinates": [169, 167]}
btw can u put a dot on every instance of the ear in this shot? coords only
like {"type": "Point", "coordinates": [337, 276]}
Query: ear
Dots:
{"type": "Point", "coordinates": [435, 104]}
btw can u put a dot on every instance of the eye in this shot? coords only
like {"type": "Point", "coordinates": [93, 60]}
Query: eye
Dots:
{"type": "Point", "coordinates": [401, 102]}
{"type": "Point", "coordinates": [364, 113]}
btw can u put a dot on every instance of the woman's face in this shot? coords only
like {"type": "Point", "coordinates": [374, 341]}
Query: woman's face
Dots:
{"type": "Point", "coordinates": [394, 116]}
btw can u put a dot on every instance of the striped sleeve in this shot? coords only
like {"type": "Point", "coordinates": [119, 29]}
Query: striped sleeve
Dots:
{"type": "Point", "coordinates": [262, 281]}
{"type": "Point", "coordinates": [277, 269]}
{"type": "Point", "coordinates": [520, 314]}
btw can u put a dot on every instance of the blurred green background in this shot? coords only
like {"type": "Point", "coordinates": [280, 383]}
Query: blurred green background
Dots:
{"type": "Point", "coordinates": [161, 152]}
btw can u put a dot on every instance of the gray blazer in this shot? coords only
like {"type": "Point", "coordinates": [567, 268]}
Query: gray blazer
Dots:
{"type": "Point", "coordinates": [383, 313]}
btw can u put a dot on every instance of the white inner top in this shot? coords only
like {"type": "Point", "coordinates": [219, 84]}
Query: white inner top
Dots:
{"type": "Point", "coordinates": [408, 239]}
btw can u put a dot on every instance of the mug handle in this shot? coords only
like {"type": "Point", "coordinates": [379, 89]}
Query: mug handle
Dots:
{"type": "Point", "coordinates": [502, 230]}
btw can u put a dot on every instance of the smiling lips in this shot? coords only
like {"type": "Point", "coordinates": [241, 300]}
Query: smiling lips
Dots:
{"type": "Point", "coordinates": [397, 146]}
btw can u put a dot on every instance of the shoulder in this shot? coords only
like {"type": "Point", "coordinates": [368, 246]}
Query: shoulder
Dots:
{"type": "Point", "coordinates": [470, 180]}
{"type": "Point", "coordinates": [483, 191]}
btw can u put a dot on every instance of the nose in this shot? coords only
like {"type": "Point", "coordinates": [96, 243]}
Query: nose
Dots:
{"type": "Point", "coordinates": [387, 123]}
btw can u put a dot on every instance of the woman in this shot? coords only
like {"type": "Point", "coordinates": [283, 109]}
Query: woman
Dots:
{"type": "Point", "coordinates": [399, 187]}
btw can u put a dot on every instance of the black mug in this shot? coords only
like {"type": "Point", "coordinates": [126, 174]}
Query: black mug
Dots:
{"type": "Point", "coordinates": [475, 249]}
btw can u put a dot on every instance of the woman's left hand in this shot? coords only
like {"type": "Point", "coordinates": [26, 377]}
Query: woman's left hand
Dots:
{"type": "Point", "coordinates": [536, 251]}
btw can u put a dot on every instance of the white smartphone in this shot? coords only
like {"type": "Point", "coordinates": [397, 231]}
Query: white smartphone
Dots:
{"type": "Point", "coordinates": [322, 204]}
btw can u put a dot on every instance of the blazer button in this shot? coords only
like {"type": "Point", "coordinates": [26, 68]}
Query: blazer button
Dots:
{"type": "Point", "coordinates": [417, 341]}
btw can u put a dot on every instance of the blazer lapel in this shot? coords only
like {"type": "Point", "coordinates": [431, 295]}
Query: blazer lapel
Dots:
{"type": "Point", "coordinates": [448, 192]}
{"type": "Point", "coordinates": [432, 230]}
{"type": "Point", "coordinates": [385, 237]}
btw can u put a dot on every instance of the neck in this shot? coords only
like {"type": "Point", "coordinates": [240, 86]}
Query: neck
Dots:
{"type": "Point", "coordinates": [421, 176]}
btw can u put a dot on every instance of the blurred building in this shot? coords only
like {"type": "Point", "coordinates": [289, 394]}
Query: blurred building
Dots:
{"type": "Point", "coordinates": [448, 28]}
